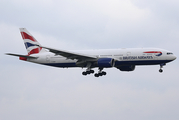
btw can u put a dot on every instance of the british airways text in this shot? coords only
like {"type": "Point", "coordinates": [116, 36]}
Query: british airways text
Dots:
{"type": "Point", "coordinates": [137, 57]}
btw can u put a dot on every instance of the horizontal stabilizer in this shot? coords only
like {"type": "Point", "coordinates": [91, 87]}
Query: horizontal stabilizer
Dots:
{"type": "Point", "coordinates": [25, 56]}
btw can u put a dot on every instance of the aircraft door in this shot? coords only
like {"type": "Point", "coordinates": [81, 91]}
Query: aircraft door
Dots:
{"type": "Point", "coordinates": [48, 58]}
{"type": "Point", "coordinates": [128, 53]}
{"type": "Point", "coordinates": [155, 56]}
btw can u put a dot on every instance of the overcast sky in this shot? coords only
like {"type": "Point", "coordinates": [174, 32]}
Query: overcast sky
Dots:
{"type": "Point", "coordinates": [30, 91]}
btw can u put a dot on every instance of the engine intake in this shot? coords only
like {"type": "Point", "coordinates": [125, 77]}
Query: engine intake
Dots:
{"type": "Point", "coordinates": [105, 62]}
{"type": "Point", "coordinates": [126, 68]}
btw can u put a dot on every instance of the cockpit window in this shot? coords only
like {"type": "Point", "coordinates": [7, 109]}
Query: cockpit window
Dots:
{"type": "Point", "coordinates": [169, 53]}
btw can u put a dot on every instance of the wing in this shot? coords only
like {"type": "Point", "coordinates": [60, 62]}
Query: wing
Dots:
{"type": "Point", "coordinates": [71, 55]}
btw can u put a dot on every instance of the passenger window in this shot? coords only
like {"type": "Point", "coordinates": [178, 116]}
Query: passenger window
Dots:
{"type": "Point", "coordinates": [169, 53]}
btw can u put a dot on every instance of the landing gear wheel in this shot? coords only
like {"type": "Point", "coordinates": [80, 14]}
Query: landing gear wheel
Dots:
{"type": "Point", "coordinates": [88, 72]}
{"type": "Point", "coordinates": [160, 70]}
{"type": "Point", "coordinates": [96, 75]}
{"type": "Point", "coordinates": [100, 74]}
{"type": "Point", "coordinates": [91, 71]}
{"type": "Point", "coordinates": [103, 73]}
{"type": "Point", "coordinates": [84, 73]}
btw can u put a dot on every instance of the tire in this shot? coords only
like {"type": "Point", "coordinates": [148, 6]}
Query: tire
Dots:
{"type": "Point", "coordinates": [91, 71]}
{"type": "Point", "coordinates": [84, 73]}
{"type": "Point", "coordinates": [104, 73]}
{"type": "Point", "coordinates": [100, 74]}
{"type": "Point", "coordinates": [88, 72]}
{"type": "Point", "coordinates": [160, 70]}
{"type": "Point", "coordinates": [96, 75]}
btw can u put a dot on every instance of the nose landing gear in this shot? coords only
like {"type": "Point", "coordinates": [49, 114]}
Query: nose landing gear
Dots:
{"type": "Point", "coordinates": [161, 66]}
{"type": "Point", "coordinates": [160, 70]}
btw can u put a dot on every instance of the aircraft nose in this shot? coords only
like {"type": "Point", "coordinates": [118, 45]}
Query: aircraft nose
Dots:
{"type": "Point", "coordinates": [174, 57]}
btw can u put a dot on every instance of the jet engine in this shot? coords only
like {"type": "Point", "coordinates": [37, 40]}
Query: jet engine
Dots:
{"type": "Point", "coordinates": [105, 62]}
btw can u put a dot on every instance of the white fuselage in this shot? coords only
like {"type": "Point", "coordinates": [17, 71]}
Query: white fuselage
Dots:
{"type": "Point", "coordinates": [126, 56]}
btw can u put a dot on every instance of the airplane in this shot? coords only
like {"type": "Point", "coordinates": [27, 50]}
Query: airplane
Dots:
{"type": "Point", "coordinates": [124, 59]}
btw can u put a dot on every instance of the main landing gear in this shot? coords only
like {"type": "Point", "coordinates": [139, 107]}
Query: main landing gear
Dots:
{"type": "Point", "coordinates": [89, 71]}
{"type": "Point", "coordinates": [161, 66]}
{"type": "Point", "coordinates": [100, 73]}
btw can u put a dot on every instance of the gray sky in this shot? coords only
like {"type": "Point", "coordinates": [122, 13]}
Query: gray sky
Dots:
{"type": "Point", "coordinates": [31, 92]}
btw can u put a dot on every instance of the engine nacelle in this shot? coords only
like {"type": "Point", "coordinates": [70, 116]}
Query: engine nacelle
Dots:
{"type": "Point", "coordinates": [105, 62]}
{"type": "Point", "coordinates": [126, 68]}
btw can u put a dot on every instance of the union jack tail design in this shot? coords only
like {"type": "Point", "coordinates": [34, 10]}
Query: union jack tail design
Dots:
{"type": "Point", "coordinates": [31, 44]}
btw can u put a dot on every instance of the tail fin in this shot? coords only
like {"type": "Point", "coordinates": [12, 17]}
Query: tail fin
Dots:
{"type": "Point", "coordinates": [31, 44]}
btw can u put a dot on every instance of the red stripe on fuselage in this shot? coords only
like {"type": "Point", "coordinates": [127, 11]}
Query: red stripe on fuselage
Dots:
{"type": "Point", "coordinates": [153, 52]}
{"type": "Point", "coordinates": [26, 36]}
